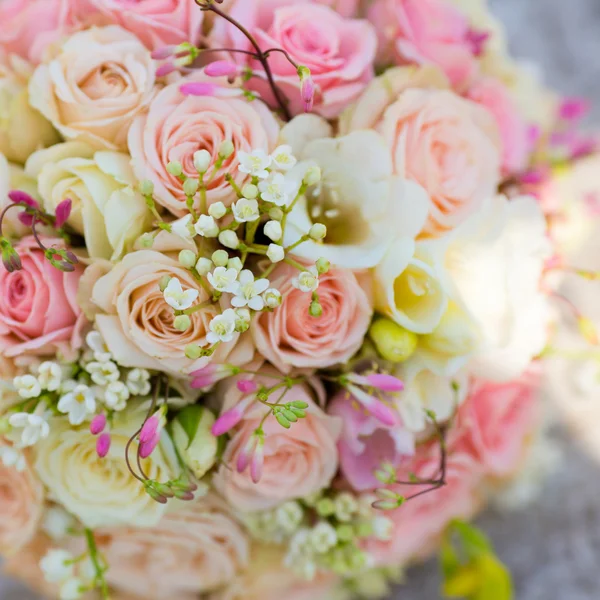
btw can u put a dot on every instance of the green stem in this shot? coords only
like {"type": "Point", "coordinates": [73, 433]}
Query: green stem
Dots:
{"type": "Point", "coordinates": [234, 185]}
{"type": "Point", "coordinates": [295, 263]}
{"type": "Point", "coordinates": [100, 569]}
{"type": "Point", "coordinates": [203, 200]}
{"type": "Point", "coordinates": [197, 307]}
{"type": "Point", "coordinates": [303, 239]}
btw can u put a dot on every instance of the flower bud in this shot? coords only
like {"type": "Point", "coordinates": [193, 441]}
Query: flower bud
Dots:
{"type": "Point", "coordinates": [242, 321]}
{"type": "Point", "coordinates": [146, 240]}
{"type": "Point", "coordinates": [323, 266]}
{"type": "Point", "coordinates": [10, 257]}
{"type": "Point", "coordinates": [235, 263]}
{"type": "Point", "coordinates": [393, 342]}
{"type": "Point", "coordinates": [217, 210]}
{"type": "Point", "coordinates": [250, 191]}
{"type": "Point", "coordinates": [164, 282]}
{"type": "Point", "coordinates": [317, 232]}
{"type": "Point", "coordinates": [191, 434]}
{"type": "Point", "coordinates": [202, 159]}
{"type": "Point", "coordinates": [175, 168]}
{"type": "Point", "coordinates": [193, 351]}
{"type": "Point", "coordinates": [103, 445]}
{"type": "Point", "coordinates": [62, 213]}
{"type": "Point", "coordinates": [276, 214]}
{"type": "Point", "coordinates": [221, 68]}
{"type": "Point", "coordinates": [204, 265]}
{"type": "Point", "coordinates": [226, 149]}
{"type": "Point", "coordinates": [182, 322]}
{"type": "Point", "coordinates": [312, 175]}
{"type": "Point", "coordinates": [272, 298]}
{"type": "Point", "coordinates": [273, 230]}
{"type": "Point", "coordinates": [229, 239]}
{"type": "Point", "coordinates": [190, 186]}
{"type": "Point", "coordinates": [187, 259]}
{"type": "Point", "coordinates": [146, 188]}
{"type": "Point", "coordinates": [315, 309]}
{"type": "Point", "coordinates": [275, 253]}
{"type": "Point", "coordinates": [220, 258]}
{"type": "Point", "coordinates": [98, 424]}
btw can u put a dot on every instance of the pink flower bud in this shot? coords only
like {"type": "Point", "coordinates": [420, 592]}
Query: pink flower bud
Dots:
{"type": "Point", "coordinates": [98, 424]}
{"type": "Point", "coordinates": [258, 461]}
{"type": "Point", "coordinates": [198, 88]}
{"type": "Point", "coordinates": [148, 447]}
{"type": "Point", "coordinates": [21, 197]}
{"type": "Point", "coordinates": [164, 52]}
{"type": "Point", "coordinates": [375, 407]}
{"type": "Point", "coordinates": [230, 418]}
{"type": "Point", "coordinates": [166, 69]}
{"type": "Point", "coordinates": [209, 375]}
{"type": "Point", "coordinates": [247, 386]}
{"type": "Point", "coordinates": [246, 453]}
{"type": "Point", "coordinates": [62, 213]}
{"type": "Point", "coordinates": [221, 68]}
{"type": "Point", "coordinates": [573, 109]}
{"type": "Point", "coordinates": [26, 219]}
{"type": "Point", "coordinates": [103, 445]}
{"type": "Point", "coordinates": [153, 426]}
{"type": "Point", "coordinates": [477, 40]}
{"type": "Point", "coordinates": [534, 176]}
{"type": "Point", "coordinates": [380, 381]}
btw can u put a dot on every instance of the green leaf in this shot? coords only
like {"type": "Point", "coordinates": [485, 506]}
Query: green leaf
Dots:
{"type": "Point", "coordinates": [189, 418]}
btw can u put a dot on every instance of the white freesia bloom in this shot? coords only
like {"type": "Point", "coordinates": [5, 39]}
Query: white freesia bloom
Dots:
{"type": "Point", "coordinates": [307, 281]}
{"type": "Point", "coordinates": [50, 375]}
{"type": "Point", "coordinates": [206, 226]}
{"type": "Point", "coordinates": [96, 343]}
{"type": "Point", "coordinates": [177, 298]}
{"type": "Point", "coordinates": [357, 198]}
{"type": "Point", "coordinates": [78, 404]}
{"type": "Point", "coordinates": [248, 291]}
{"type": "Point", "coordinates": [107, 210]}
{"type": "Point", "coordinates": [283, 158]}
{"type": "Point", "coordinates": [27, 386]}
{"type": "Point", "coordinates": [494, 262]}
{"type": "Point", "coordinates": [103, 373]}
{"type": "Point", "coordinates": [255, 163]}
{"type": "Point", "coordinates": [57, 565]}
{"type": "Point", "coordinates": [34, 426]}
{"type": "Point", "coordinates": [223, 279]}
{"type": "Point", "coordinates": [222, 327]}
{"type": "Point", "coordinates": [12, 457]}
{"type": "Point", "coordinates": [181, 227]}
{"type": "Point", "coordinates": [279, 189]}
{"type": "Point", "coordinates": [72, 589]}
{"type": "Point", "coordinates": [245, 210]}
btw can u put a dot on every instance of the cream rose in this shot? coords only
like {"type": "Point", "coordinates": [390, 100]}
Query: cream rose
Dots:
{"type": "Point", "coordinates": [101, 492]}
{"type": "Point", "coordinates": [194, 549]}
{"type": "Point", "coordinates": [100, 80]}
{"type": "Point", "coordinates": [22, 128]}
{"type": "Point", "coordinates": [107, 209]}
{"type": "Point", "coordinates": [21, 501]}
{"type": "Point", "coordinates": [137, 323]}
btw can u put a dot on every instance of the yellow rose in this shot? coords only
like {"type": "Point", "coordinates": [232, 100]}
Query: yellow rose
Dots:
{"type": "Point", "coordinates": [107, 210]}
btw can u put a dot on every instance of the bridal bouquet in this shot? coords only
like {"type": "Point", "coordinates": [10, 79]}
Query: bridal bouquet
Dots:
{"type": "Point", "coordinates": [275, 293]}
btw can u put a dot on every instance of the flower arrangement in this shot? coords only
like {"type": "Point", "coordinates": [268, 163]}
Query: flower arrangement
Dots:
{"type": "Point", "coordinates": [275, 292]}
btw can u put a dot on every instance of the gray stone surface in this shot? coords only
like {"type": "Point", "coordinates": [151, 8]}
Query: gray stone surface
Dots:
{"type": "Point", "coordinates": [552, 548]}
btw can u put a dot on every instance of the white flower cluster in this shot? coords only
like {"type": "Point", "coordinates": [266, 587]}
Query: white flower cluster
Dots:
{"type": "Point", "coordinates": [74, 576]}
{"type": "Point", "coordinates": [277, 525]}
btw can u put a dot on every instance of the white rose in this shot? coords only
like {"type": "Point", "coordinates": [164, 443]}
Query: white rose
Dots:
{"type": "Point", "coordinates": [107, 210]}
{"type": "Point", "coordinates": [22, 128]}
{"type": "Point", "coordinates": [495, 261]}
{"type": "Point", "coordinates": [101, 492]}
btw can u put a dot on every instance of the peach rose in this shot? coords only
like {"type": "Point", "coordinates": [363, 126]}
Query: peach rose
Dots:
{"type": "Point", "coordinates": [99, 81]}
{"type": "Point", "coordinates": [514, 131]}
{"type": "Point", "coordinates": [496, 421]}
{"type": "Point", "coordinates": [157, 23]}
{"type": "Point", "coordinates": [38, 309]}
{"type": "Point", "coordinates": [194, 549]}
{"type": "Point", "coordinates": [425, 32]}
{"type": "Point", "coordinates": [176, 126]}
{"type": "Point", "coordinates": [137, 323]}
{"type": "Point", "coordinates": [338, 51]}
{"type": "Point", "coordinates": [297, 462]}
{"type": "Point", "coordinates": [21, 501]}
{"type": "Point", "coordinates": [27, 27]}
{"type": "Point", "coordinates": [289, 337]}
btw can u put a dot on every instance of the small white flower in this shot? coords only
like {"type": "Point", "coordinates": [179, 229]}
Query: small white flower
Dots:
{"type": "Point", "coordinates": [273, 230]}
{"type": "Point", "coordinates": [217, 210]}
{"type": "Point", "coordinates": [255, 163]}
{"type": "Point", "coordinates": [96, 343]}
{"type": "Point", "coordinates": [116, 395]}
{"type": "Point", "coordinates": [72, 589]}
{"type": "Point", "coordinates": [57, 565]}
{"type": "Point", "coordinates": [50, 375]}
{"type": "Point", "coordinates": [11, 457]}
{"type": "Point", "coordinates": [346, 505]}
{"type": "Point", "coordinates": [245, 210]}
{"type": "Point", "coordinates": [57, 522]}
{"type": "Point", "coordinates": [78, 404]}
{"type": "Point", "coordinates": [307, 281]}
{"type": "Point", "coordinates": [34, 425]}
{"type": "Point", "coordinates": [27, 386]}
{"type": "Point", "coordinates": [223, 279]}
{"type": "Point", "coordinates": [278, 189]}
{"type": "Point", "coordinates": [275, 253]}
{"type": "Point", "coordinates": [206, 226]}
{"type": "Point", "coordinates": [181, 227]}
{"type": "Point", "coordinates": [102, 373]}
{"type": "Point", "coordinates": [177, 298]}
{"type": "Point", "coordinates": [272, 298]}
{"type": "Point", "coordinates": [383, 528]}
{"type": "Point", "coordinates": [289, 516]}
{"type": "Point", "coordinates": [243, 318]}
{"type": "Point", "coordinates": [323, 537]}
{"type": "Point", "coordinates": [248, 290]}
{"type": "Point", "coordinates": [222, 327]}
{"type": "Point", "coordinates": [138, 382]}
{"type": "Point", "coordinates": [229, 239]}
{"type": "Point", "coordinates": [283, 158]}
{"type": "Point", "coordinates": [68, 385]}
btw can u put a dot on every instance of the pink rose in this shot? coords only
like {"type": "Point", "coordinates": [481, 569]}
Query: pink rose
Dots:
{"type": "Point", "coordinates": [176, 126]}
{"type": "Point", "coordinates": [155, 23]}
{"type": "Point", "coordinates": [425, 32]}
{"type": "Point", "coordinates": [27, 27]}
{"type": "Point", "coordinates": [297, 461]}
{"type": "Point", "coordinates": [338, 51]}
{"type": "Point", "coordinates": [21, 501]}
{"type": "Point", "coordinates": [38, 306]}
{"type": "Point", "coordinates": [346, 8]}
{"type": "Point", "coordinates": [419, 523]}
{"type": "Point", "coordinates": [289, 337]}
{"type": "Point", "coordinates": [366, 443]}
{"type": "Point", "coordinates": [496, 420]}
{"type": "Point", "coordinates": [514, 132]}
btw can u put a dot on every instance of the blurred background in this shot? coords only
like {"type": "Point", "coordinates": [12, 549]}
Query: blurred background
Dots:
{"type": "Point", "coordinates": [552, 547]}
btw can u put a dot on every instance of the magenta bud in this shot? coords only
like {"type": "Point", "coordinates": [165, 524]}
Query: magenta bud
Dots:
{"type": "Point", "coordinates": [227, 421]}
{"type": "Point", "coordinates": [534, 176]}
{"type": "Point", "coordinates": [477, 40]}
{"type": "Point", "coordinates": [103, 445]}
{"type": "Point", "coordinates": [62, 213]}
{"type": "Point", "coordinates": [221, 68]}
{"type": "Point", "coordinates": [164, 52]}
{"type": "Point", "coordinates": [147, 448]}
{"type": "Point", "coordinates": [26, 219]}
{"type": "Point", "coordinates": [166, 69]}
{"type": "Point", "coordinates": [247, 386]}
{"type": "Point", "coordinates": [183, 495]}
{"type": "Point", "coordinates": [198, 88]}
{"type": "Point", "coordinates": [257, 463]}
{"type": "Point", "coordinates": [149, 429]}
{"type": "Point", "coordinates": [98, 424]}
{"type": "Point", "coordinates": [573, 109]}
{"type": "Point", "coordinates": [385, 383]}
{"type": "Point", "coordinates": [21, 197]}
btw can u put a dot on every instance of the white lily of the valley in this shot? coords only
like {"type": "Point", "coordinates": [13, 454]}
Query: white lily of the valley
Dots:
{"type": "Point", "coordinates": [72, 589]}
{"type": "Point", "coordinates": [307, 281]}
{"type": "Point", "coordinates": [248, 291]}
{"type": "Point", "coordinates": [13, 457]}
{"type": "Point", "coordinates": [279, 189]}
{"type": "Point", "coordinates": [78, 404]}
{"type": "Point", "coordinates": [178, 298]}
{"type": "Point", "coordinates": [222, 327]}
{"type": "Point", "coordinates": [254, 163]}
{"type": "Point", "coordinates": [57, 565]}
{"type": "Point", "coordinates": [182, 227]}
{"type": "Point", "coordinates": [283, 159]}
{"type": "Point", "coordinates": [245, 210]}
{"type": "Point", "coordinates": [223, 279]}
{"type": "Point", "coordinates": [34, 425]}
